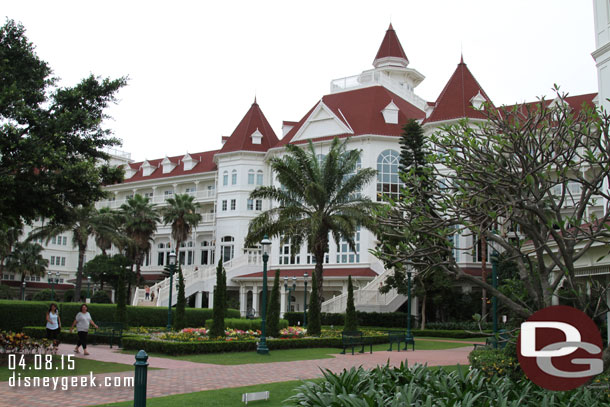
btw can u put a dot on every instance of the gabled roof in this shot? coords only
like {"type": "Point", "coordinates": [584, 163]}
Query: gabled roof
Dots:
{"type": "Point", "coordinates": [454, 101]}
{"type": "Point", "coordinates": [240, 140]}
{"type": "Point", "coordinates": [205, 163]}
{"type": "Point", "coordinates": [575, 102]}
{"type": "Point", "coordinates": [361, 110]}
{"type": "Point", "coordinates": [390, 46]}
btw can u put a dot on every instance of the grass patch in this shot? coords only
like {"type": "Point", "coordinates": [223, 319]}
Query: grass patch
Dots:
{"type": "Point", "coordinates": [290, 355]}
{"type": "Point", "coordinates": [81, 367]}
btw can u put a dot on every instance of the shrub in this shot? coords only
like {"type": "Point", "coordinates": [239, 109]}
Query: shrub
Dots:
{"type": "Point", "coordinates": [101, 297]}
{"type": "Point", "coordinates": [6, 292]}
{"type": "Point", "coordinates": [273, 308]}
{"type": "Point", "coordinates": [218, 327]}
{"type": "Point", "coordinates": [244, 324]}
{"type": "Point", "coordinates": [314, 321]}
{"type": "Point", "coordinates": [496, 362]}
{"type": "Point", "coordinates": [351, 319]}
{"type": "Point", "coordinates": [69, 295]}
{"type": "Point", "coordinates": [43, 295]}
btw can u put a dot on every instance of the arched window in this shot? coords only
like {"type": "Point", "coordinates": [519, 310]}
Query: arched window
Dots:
{"type": "Point", "coordinates": [259, 177]}
{"type": "Point", "coordinates": [251, 177]}
{"type": "Point", "coordinates": [388, 182]}
{"type": "Point", "coordinates": [234, 177]}
{"type": "Point", "coordinates": [227, 248]}
{"type": "Point", "coordinates": [225, 178]}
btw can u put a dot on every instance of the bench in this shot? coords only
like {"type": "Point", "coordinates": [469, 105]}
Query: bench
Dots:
{"type": "Point", "coordinates": [492, 342]}
{"type": "Point", "coordinates": [112, 330]}
{"type": "Point", "coordinates": [351, 339]}
{"type": "Point", "coordinates": [400, 336]}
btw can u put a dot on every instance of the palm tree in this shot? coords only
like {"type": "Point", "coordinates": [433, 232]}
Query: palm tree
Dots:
{"type": "Point", "coordinates": [83, 222]}
{"type": "Point", "coordinates": [107, 232]}
{"type": "Point", "coordinates": [26, 259]}
{"type": "Point", "coordinates": [8, 237]}
{"type": "Point", "coordinates": [318, 196]}
{"type": "Point", "coordinates": [139, 222]}
{"type": "Point", "coordinates": [181, 212]}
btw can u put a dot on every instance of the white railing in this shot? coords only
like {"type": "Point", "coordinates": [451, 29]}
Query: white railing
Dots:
{"type": "Point", "coordinates": [369, 78]}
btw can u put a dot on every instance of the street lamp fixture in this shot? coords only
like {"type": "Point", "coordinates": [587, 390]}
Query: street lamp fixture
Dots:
{"type": "Point", "coordinates": [172, 268]}
{"type": "Point", "coordinates": [88, 289]}
{"type": "Point", "coordinates": [261, 348]}
{"type": "Point", "coordinates": [305, 275]}
{"type": "Point", "coordinates": [290, 290]}
{"type": "Point", "coordinates": [23, 291]}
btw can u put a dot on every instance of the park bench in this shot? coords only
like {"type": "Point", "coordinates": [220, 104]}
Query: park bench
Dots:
{"type": "Point", "coordinates": [351, 339]}
{"type": "Point", "coordinates": [112, 330]}
{"type": "Point", "coordinates": [490, 342]}
{"type": "Point", "coordinates": [400, 336]}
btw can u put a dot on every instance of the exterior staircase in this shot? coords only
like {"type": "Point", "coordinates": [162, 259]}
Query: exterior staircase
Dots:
{"type": "Point", "coordinates": [368, 298]}
{"type": "Point", "coordinates": [198, 278]}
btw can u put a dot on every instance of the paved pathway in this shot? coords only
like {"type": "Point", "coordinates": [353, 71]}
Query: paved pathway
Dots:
{"type": "Point", "coordinates": [178, 377]}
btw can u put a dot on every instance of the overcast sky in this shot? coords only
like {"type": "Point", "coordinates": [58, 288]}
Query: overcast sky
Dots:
{"type": "Point", "coordinates": [194, 67]}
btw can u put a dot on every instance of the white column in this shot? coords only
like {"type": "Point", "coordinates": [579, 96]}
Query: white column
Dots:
{"type": "Point", "coordinates": [255, 300]}
{"type": "Point", "coordinates": [211, 299]}
{"type": "Point", "coordinates": [282, 300]}
{"type": "Point", "coordinates": [198, 299]}
{"type": "Point", "coordinates": [243, 300]}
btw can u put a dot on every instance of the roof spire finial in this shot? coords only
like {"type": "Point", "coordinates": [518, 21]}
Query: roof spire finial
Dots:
{"type": "Point", "coordinates": [461, 53]}
{"type": "Point", "coordinates": [254, 99]}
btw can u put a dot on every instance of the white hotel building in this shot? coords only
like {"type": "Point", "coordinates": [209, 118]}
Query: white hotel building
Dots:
{"type": "Point", "coordinates": [370, 108]}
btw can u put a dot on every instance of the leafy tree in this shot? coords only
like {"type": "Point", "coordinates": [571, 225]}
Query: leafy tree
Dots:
{"type": "Point", "coordinates": [139, 220]}
{"type": "Point", "coordinates": [8, 237]}
{"type": "Point", "coordinates": [519, 181]}
{"type": "Point", "coordinates": [6, 292]}
{"type": "Point", "coordinates": [26, 259]}
{"type": "Point", "coordinates": [181, 213]}
{"type": "Point", "coordinates": [218, 324]}
{"type": "Point", "coordinates": [51, 139]}
{"type": "Point", "coordinates": [314, 320]}
{"type": "Point", "coordinates": [317, 197]}
{"type": "Point", "coordinates": [273, 308]}
{"type": "Point", "coordinates": [351, 319]}
{"type": "Point", "coordinates": [83, 223]}
{"type": "Point", "coordinates": [180, 320]}
{"type": "Point", "coordinates": [101, 297]}
{"type": "Point", "coordinates": [43, 295]}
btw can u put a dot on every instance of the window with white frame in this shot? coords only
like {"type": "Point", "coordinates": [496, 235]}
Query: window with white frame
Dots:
{"type": "Point", "coordinates": [259, 177]}
{"type": "Point", "coordinates": [478, 251]}
{"type": "Point", "coordinates": [54, 240]}
{"type": "Point", "coordinates": [286, 255]}
{"type": "Point", "coordinates": [234, 177]}
{"type": "Point", "coordinates": [207, 252]}
{"type": "Point", "coordinates": [251, 177]}
{"type": "Point", "coordinates": [52, 260]}
{"type": "Point", "coordinates": [345, 254]}
{"type": "Point", "coordinates": [225, 178]}
{"type": "Point", "coordinates": [250, 204]}
{"type": "Point", "coordinates": [224, 205]}
{"type": "Point", "coordinates": [233, 204]}
{"type": "Point", "coordinates": [259, 204]}
{"type": "Point", "coordinates": [388, 181]}
{"type": "Point", "coordinates": [65, 240]}
{"type": "Point", "coordinates": [227, 248]}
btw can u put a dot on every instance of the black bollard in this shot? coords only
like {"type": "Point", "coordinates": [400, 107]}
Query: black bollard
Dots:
{"type": "Point", "coordinates": [139, 391]}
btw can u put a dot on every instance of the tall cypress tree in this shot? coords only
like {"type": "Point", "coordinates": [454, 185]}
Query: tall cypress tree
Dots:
{"type": "Point", "coordinates": [180, 320]}
{"type": "Point", "coordinates": [218, 324]}
{"type": "Point", "coordinates": [314, 324]}
{"type": "Point", "coordinates": [351, 319]}
{"type": "Point", "coordinates": [273, 310]}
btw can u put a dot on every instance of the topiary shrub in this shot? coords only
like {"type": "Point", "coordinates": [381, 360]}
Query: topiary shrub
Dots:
{"type": "Point", "coordinates": [101, 297]}
{"type": "Point", "coordinates": [43, 295]}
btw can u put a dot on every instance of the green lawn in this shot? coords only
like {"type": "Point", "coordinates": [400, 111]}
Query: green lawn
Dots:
{"type": "Point", "coordinates": [278, 392]}
{"type": "Point", "coordinates": [290, 355]}
{"type": "Point", "coordinates": [81, 367]}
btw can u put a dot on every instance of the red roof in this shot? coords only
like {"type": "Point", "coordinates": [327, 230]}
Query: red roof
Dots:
{"type": "Point", "coordinates": [575, 102]}
{"type": "Point", "coordinates": [454, 101]}
{"type": "Point", "coordinates": [204, 163]}
{"type": "Point", "coordinates": [361, 110]}
{"type": "Point", "coordinates": [328, 272]}
{"type": "Point", "coordinates": [240, 140]}
{"type": "Point", "coordinates": [390, 46]}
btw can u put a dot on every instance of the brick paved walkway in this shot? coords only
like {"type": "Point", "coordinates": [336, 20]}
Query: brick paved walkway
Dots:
{"type": "Point", "coordinates": [178, 377]}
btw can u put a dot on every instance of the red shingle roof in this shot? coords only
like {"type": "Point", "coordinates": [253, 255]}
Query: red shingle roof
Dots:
{"type": "Point", "coordinates": [390, 46]}
{"type": "Point", "coordinates": [240, 140]}
{"type": "Point", "coordinates": [454, 100]}
{"type": "Point", "coordinates": [360, 110]}
{"type": "Point", "coordinates": [204, 163]}
{"type": "Point", "coordinates": [575, 102]}
{"type": "Point", "coordinates": [328, 272]}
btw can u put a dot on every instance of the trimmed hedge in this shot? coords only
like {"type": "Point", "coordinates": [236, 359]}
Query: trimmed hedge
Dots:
{"type": "Point", "coordinates": [381, 319]}
{"type": "Point", "coordinates": [244, 324]}
{"type": "Point", "coordinates": [65, 336]}
{"type": "Point", "coordinates": [18, 314]}
{"type": "Point", "coordinates": [185, 348]}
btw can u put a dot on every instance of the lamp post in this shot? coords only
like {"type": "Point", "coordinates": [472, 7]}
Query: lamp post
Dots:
{"type": "Point", "coordinates": [50, 274]}
{"type": "Point", "coordinates": [494, 299]}
{"type": "Point", "coordinates": [261, 348]}
{"type": "Point", "coordinates": [290, 290]}
{"type": "Point", "coordinates": [88, 289]}
{"type": "Point", "coordinates": [172, 267]}
{"type": "Point", "coordinates": [23, 291]}
{"type": "Point", "coordinates": [409, 334]}
{"type": "Point", "coordinates": [305, 301]}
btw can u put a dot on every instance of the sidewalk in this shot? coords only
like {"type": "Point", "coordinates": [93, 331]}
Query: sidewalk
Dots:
{"type": "Point", "coordinates": [178, 377]}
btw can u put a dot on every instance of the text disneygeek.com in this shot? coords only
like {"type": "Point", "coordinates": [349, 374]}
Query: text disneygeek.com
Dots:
{"type": "Point", "coordinates": [67, 382]}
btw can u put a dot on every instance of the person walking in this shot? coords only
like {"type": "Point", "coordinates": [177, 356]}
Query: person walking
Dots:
{"type": "Point", "coordinates": [53, 325]}
{"type": "Point", "coordinates": [82, 322]}
{"type": "Point", "coordinates": [147, 292]}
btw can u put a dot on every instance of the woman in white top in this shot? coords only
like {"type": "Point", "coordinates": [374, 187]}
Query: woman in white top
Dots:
{"type": "Point", "coordinates": [53, 324]}
{"type": "Point", "coordinates": [82, 322]}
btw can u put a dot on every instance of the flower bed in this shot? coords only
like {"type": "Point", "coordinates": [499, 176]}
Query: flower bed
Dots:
{"type": "Point", "coordinates": [19, 342]}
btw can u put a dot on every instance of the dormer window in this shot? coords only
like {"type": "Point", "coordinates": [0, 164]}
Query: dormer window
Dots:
{"type": "Point", "coordinates": [257, 137]}
{"type": "Point", "coordinates": [189, 162]}
{"type": "Point", "coordinates": [390, 113]}
{"type": "Point", "coordinates": [168, 166]}
{"type": "Point", "coordinates": [477, 101]}
{"type": "Point", "coordinates": [129, 172]}
{"type": "Point", "coordinates": [147, 168]}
